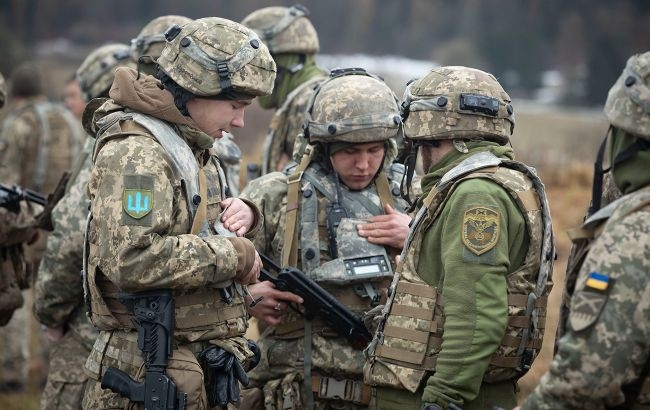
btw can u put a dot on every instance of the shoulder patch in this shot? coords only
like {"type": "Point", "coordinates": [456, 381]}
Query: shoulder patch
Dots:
{"type": "Point", "coordinates": [137, 196]}
{"type": "Point", "coordinates": [481, 228]}
{"type": "Point", "coordinates": [588, 302]}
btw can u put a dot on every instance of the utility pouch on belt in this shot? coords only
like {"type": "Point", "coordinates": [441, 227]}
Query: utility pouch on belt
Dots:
{"type": "Point", "coordinates": [153, 313]}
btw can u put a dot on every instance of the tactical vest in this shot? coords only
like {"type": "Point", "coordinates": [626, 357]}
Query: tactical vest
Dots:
{"type": "Point", "coordinates": [59, 141]}
{"type": "Point", "coordinates": [218, 319]}
{"type": "Point", "coordinates": [637, 392]}
{"type": "Point", "coordinates": [362, 269]}
{"type": "Point", "coordinates": [404, 350]}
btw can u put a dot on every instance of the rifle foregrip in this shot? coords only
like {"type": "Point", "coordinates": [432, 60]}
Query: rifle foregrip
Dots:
{"type": "Point", "coordinates": [121, 383]}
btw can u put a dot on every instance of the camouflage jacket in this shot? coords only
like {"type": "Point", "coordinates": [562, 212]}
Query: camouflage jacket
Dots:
{"type": "Point", "coordinates": [607, 343]}
{"type": "Point", "coordinates": [282, 346]}
{"type": "Point", "coordinates": [38, 142]}
{"type": "Point", "coordinates": [58, 298]}
{"type": "Point", "coordinates": [140, 236]}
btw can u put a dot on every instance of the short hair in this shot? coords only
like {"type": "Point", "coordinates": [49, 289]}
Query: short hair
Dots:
{"type": "Point", "coordinates": [26, 81]}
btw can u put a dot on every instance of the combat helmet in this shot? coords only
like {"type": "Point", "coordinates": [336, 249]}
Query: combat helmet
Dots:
{"type": "Point", "coordinates": [457, 102]}
{"type": "Point", "coordinates": [284, 29]}
{"type": "Point", "coordinates": [213, 55]}
{"type": "Point", "coordinates": [95, 74]}
{"type": "Point", "coordinates": [151, 39]}
{"type": "Point", "coordinates": [628, 102]}
{"type": "Point", "coordinates": [353, 106]}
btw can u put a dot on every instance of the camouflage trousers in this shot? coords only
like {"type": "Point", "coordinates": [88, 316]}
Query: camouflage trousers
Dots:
{"type": "Point", "coordinates": [66, 379]}
{"type": "Point", "coordinates": [15, 340]}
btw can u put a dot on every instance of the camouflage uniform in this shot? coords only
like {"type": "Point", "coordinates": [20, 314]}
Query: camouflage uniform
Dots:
{"type": "Point", "coordinates": [460, 324]}
{"type": "Point", "coordinates": [148, 150]}
{"type": "Point", "coordinates": [367, 111]}
{"type": "Point", "coordinates": [145, 49]}
{"type": "Point", "coordinates": [293, 42]}
{"type": "Point", "coordinates": [603, 359]}
{"type": "Point", "coordinates": [38, 142]}
{"type": "Point", "coordinates": [58, 290]}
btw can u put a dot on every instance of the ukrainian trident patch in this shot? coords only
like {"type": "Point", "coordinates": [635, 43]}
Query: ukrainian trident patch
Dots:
{"type": "Point", "coordinates": [481, 228]}
{"type": "Point", "coordinates": [137, 196]}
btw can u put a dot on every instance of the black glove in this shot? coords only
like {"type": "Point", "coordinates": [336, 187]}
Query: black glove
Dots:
{"type": "Point", "coordinates": [222, 374]}
{"type": "Point", "coordinates": [256, 352]}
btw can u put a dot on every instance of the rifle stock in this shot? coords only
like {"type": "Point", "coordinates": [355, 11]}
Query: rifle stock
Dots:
{"type": "Point", "coordinates": [319, 303]}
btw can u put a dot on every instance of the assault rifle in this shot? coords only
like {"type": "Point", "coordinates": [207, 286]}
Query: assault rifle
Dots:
{"type": "Point", "coordinates": [10, 197]}
{"type": "Point", "coordinates": [318, 303]}
{"type": "Point", "coordinates": [154, 319]}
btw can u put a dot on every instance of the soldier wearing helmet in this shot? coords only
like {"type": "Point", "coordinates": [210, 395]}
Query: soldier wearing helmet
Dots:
{"type": "Point", "coordinates": [145, 50]}
{"type": "Point", "coordinates": [58, 291]}
{"type": "Point", "coordinates": [39, 140]}
{"type": "Point", "coordinates": [293, 42]}
{"type": "Point", "coordinates": [602, 360]}
{"type": "Point", "coordinates": [311, 215]}
{"type": "Point", "coordinates": [459, 326]}
{"type": "Point", "coordinates": [161, 216]}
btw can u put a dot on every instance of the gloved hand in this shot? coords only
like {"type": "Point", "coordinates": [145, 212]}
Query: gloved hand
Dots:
{"type": "Point", "coordinates": [222, 374]}
{"type": "Point", "coordinates": [257, 354]}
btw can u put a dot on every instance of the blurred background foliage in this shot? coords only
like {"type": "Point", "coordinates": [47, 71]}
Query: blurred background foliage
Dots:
{"type": "Point", "coordinates": [576, 46]}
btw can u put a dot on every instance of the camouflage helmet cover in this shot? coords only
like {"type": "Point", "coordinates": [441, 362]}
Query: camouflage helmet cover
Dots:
{"type": "Point", "coordinates": [3, 91]}
{"type": "Point", "coordinates": [284, 29]}
{"type": "Point", "coordinates": [352, 106]}
{"type": "Point", "coordinates": [95, 74]}
{"type": "Point", "coordinates": [457, 102]}
{"type": "Point", "coordinates": [151, 39]}
{"type": "Point", "coordinates": [628, 102]}
{"type": "Point", "coordinates": [212, 54]}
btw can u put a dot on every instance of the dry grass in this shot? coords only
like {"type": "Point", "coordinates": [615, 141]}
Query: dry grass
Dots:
{"type": "Point", "coordinates": [561, 144]}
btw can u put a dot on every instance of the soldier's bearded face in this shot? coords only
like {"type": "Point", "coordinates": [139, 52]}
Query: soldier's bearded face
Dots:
{"type": "Point", "coordinates": [358, 164]}
{"type": "Point", "coordinates": [214, 117]}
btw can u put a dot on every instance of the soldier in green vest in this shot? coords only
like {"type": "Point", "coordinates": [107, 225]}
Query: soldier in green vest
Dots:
{"type": "Point", "coordinates": [465, 314]}
{"type": "Point", "coordinates": [603, 359]}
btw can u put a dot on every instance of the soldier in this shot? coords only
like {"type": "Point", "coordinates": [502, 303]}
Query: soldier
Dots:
{"type": "Point", "coordinates": [58, 292]}
{"type": "Point", "coordinates": [603, 360]}
{"type": "Point", "coordinates": [145, 49]}
{"type": "Point", "coordinates": [73, 99]}
{"type": "Point", "coordinates": [158, 198]}
{"type": "Point", "coordinates": [38, 142]}
{"type": "Point", "coordinates": [293, 42]}
{"type": "Point", "coordinates": [460, 324]}
{"type": "Point", "coordinates": [311, 215]}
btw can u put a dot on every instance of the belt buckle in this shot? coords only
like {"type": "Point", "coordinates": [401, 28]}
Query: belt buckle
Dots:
{"type": "Point", "coordinates": [331, 388]}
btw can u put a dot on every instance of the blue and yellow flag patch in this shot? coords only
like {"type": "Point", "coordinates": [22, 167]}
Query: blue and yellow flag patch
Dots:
{"type": "Point", "coordinates": [597, 281]}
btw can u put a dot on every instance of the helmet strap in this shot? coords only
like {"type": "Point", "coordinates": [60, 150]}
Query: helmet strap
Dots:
{"type": "Point", "coordinates": [597, 189]}
{"type": "Point", "coordinates": [410, 158]}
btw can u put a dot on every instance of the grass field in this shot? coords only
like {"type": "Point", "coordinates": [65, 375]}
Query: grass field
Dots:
{"type": "Point", "coordinates": [561, 144]}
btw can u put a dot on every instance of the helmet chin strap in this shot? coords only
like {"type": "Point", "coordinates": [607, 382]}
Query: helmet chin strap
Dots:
{"type": "Point", "coordinates": [597, 189]}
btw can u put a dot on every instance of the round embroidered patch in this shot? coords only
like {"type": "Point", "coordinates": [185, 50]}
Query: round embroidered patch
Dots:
{"type": "Point", "coordinates": [481, 228]}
